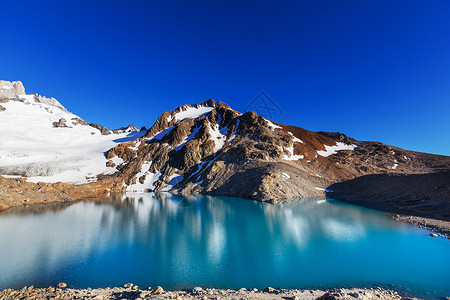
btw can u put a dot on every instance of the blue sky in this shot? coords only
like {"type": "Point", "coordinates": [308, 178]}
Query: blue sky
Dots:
{"type": "Point", "coordinates": [375, 70]}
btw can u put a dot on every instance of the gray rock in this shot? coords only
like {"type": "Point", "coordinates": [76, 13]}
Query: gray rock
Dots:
{"type": "Point", "coordinates": [269, 290]}
{"type": "Point", "coordinates": [103, 129]}
{"type": "Point", "coordinates": [197, 291]}
{"type": "Point", "coordinates": [60, 124]}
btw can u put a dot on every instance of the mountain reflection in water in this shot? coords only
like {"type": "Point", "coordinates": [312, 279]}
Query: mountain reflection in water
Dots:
{"type": "Point", "coordinates": [184, 241]}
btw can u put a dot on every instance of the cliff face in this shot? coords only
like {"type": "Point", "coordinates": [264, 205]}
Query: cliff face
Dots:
{"type": "Point", "coordinates": [210, 148]}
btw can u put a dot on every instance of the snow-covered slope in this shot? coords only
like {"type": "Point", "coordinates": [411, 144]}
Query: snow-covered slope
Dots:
{"type": "Point", "coordinates": [35, 143]}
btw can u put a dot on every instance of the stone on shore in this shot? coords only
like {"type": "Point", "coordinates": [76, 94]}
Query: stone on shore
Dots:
{"type": "Point", "coordinates": [61, 285]}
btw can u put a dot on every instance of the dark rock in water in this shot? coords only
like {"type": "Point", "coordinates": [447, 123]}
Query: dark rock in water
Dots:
{"type": "Point", "coordinates": [103, 129]}
{"type": "Point", "coordinates": [434, 235]}
{"type": "Point", "coordinates": [60, 124]}
{"type": "Point", "coordinates": [2, 108]}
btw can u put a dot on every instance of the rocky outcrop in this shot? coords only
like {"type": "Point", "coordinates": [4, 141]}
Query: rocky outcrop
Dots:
{"type": "Point", "coordinates": [425, 195]}
{"type": "Point", "coordinates": [60, 124]}
{"type": "Point", "coordinates": [50, 101]}
{"type": "Point", "coordinates": [79, 121]}
{"type": "Point", "coordinates": [103, 129]}
{"type": "Point", "coordinates": [17, 192]}
{"type": "Point", "coordinates": [11, 89]}
{"type": "Point", "coordinates": [129, 128]}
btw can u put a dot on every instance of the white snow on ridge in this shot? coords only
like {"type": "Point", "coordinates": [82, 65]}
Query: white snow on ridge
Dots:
{"type": "Point", "coordinates": [295, 139]}
{"type": "Point", "coordinates": [330, 150]}
{"type": "Point", "coordinates": [191, 113]}
{"type": "Point", "coordinates": [272, 125]}
{"type": "Point", "coordinates": [32, 147]}
{"type": "Point", "coordinates": [161, 134]}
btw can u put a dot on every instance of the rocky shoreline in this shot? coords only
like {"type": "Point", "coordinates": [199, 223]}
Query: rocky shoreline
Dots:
{"type": "Point", "coordinates": [439, 227]}
{"type": "Point", "coordinates": [130, 291]}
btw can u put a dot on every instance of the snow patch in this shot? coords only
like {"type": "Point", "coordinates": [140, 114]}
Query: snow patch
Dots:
{"type": "Point", "coordinates": [149, 182]}
{"type": "Point", "coordinates": [291, 156]}
{"type": "Point", "coordinates": [295, 139]}
{"type": "Point", "coordinates": [330, 150]}
{"type": "Point", "coordinates": [161, 134]}
{"type": "Point", "coordinates": [272, 125]}
{"type": "Point", "coordinates": [324, 190]}
{"type": "Point", "coordinates": [191, 113]}
{"type": "Point", "coordinates": [285, 175]}
{"type": "Point", "coordinates": [173, 180]}
{"type": "Point", "coordinates": [218, 135]}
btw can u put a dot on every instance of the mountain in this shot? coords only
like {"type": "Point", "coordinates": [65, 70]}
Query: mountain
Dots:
{"type": "Point", "coordinates": [42, 141]}
{"type": "Point", "coordinates": [210, 148]}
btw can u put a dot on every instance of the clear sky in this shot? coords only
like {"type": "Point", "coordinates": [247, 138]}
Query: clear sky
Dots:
{"type": "Point", "coordinates": [375, 70]}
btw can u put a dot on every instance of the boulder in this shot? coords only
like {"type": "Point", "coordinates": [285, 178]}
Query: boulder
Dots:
{"type": "Point", "coordinates": [60, 124]}
{"type": "Point", "coordinates": [110, 164]}
{"type": "Point", "coordinates": [158, 290]}
{"type": "Point", "coordinates": [103, 129]}
{"type": "Point", "coordinates": [61, 285]}
{"type": "Point", "coordinates": [269, 290]}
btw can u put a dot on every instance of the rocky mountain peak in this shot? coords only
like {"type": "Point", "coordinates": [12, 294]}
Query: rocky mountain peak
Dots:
{"type": "Point", "coordinates": [11, 89]}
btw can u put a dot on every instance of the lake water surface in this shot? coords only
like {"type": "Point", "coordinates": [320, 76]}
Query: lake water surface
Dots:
{"type": "Point", "coordinates": [186, 241]}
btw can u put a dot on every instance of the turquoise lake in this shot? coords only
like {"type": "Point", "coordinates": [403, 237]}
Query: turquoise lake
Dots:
{"type": "Point", "coordinates": [186, 241]}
